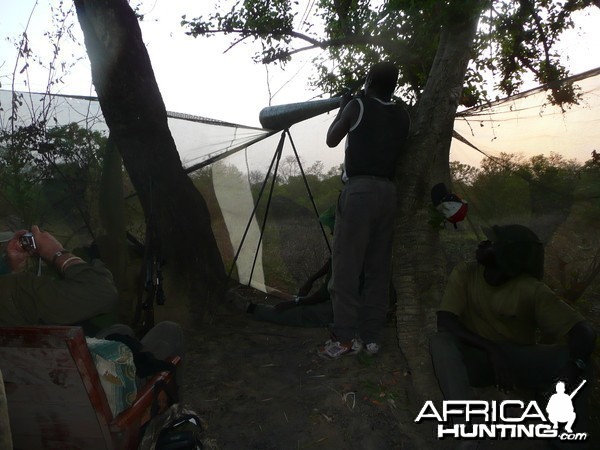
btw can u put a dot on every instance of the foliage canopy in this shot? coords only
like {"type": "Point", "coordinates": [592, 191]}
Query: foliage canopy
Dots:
{"type": "Point", "coordinates": [47, 172]}
{"type": "Point", "coordinates": [515, 38]}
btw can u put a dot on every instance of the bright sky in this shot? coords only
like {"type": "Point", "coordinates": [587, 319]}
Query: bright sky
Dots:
{"type": "Point", "coordinates": [195, 76]}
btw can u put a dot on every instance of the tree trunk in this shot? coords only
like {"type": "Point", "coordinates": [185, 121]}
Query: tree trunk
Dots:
{"type": "Point", "coordinates": [136, 116]}
{"type": "Point", "coordinates": [419, 264]}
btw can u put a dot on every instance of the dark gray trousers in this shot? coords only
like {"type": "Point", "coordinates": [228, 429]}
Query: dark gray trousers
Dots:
{"type": "Point", "coordinates": [364, 226]}
{"type": "Point", "coordinates": [460, 367]}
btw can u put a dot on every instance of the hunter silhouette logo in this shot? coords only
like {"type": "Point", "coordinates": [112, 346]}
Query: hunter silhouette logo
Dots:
{"type": "Point", "coordinates": [506, 419]}
{"type": "Point", "coordinates": [560, 407]}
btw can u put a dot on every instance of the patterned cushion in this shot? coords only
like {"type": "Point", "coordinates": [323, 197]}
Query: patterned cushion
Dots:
{"type": "Point", "coordinates": [114, 362]}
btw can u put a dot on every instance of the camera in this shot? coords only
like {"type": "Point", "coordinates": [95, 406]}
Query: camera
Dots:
{"type": "Point", "coordinates": [27, 242]}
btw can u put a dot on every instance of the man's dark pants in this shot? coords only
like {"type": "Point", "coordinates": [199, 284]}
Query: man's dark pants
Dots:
{"type": "Point", "coordinates": [460, 367]}
{"type": "Point", "coordinates": [362, 241]}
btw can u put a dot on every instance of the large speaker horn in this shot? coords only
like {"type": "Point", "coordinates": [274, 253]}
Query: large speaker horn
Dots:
{"type": "Point", "coordinates": [279, 117]}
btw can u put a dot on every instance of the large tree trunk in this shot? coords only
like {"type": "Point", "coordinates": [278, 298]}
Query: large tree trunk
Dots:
{"type": "Point", "coordinates": [136, 116]}
{"type": "Point", "coordinates": [419, 264]}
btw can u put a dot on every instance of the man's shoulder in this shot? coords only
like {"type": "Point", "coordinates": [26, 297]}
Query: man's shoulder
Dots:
{"type": "Point", "coordinates": [397, 105]}
{"type": "Point", "coordinates": [465, 274]}
{"type": "Point", "coordinates": [466, 268]}
{"type": "Point", "coordinates": [530, 283]}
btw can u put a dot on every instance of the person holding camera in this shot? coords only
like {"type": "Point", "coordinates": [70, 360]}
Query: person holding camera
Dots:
{"type": "Point", "coordinates": [376, 129]}
{"type": "Point", "coordinates": [80, 291]}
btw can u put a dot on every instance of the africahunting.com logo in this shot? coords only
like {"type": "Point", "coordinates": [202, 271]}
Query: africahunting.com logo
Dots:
{"type": "Point", "coordinates": [507, 419]}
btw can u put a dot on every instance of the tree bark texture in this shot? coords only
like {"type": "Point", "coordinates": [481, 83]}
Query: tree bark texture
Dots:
{"type": "Point", "coordinates": [137, 118]}
{"type": "Point", "coordinates": [419, 264]}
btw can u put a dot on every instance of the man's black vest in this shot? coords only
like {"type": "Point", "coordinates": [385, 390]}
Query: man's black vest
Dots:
{"type": "Point", "coordinates": [376, 139]}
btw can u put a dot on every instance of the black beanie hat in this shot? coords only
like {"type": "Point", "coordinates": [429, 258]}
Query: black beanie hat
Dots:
{"type": "Point", "coordinates": [518, 250]}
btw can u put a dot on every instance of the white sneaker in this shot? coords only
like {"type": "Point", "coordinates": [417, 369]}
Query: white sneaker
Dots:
{"type": "Point", "coordinates": [334, 349]}
{"type": "Point", "coordinates": [372, 348]}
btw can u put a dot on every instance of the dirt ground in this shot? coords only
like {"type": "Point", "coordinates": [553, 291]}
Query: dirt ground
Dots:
{"type": "Point", "coordinates": [262, 386]}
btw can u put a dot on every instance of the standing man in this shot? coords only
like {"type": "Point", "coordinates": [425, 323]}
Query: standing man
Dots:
{"type": "Point", "coordinates": [376, 130]}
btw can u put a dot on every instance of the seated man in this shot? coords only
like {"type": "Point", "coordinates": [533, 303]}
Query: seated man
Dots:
{"type": "Point", "coordinates": [81, 290]}
{"type": "Point", "coordinates": [303, 310]}
{"type": "Point", "coordinates": [490, 315]}
{"type": "Point", "coordinates": [314, 310]}
{"type": "Point", "coordinates": [306, 309]}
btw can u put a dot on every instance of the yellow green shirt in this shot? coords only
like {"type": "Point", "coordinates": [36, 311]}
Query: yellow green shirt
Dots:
{"type": "Point", "coordinates": [512, 312]}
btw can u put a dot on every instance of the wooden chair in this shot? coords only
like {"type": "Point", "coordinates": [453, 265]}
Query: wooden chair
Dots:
{"type": "Point", "coordinates": [55, 399]}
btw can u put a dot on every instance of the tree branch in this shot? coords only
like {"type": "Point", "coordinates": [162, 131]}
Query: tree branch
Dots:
{"type": "Point", "coordinates": [285, 54]}
{"type": "Point", "coordinates": [349, 40]}
{"type": "Point", "coordinates": [543, 36]}
{"type": "Point", "coordinates": [235, 43]}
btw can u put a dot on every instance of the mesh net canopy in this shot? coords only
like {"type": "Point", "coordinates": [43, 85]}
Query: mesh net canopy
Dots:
{"type": "Point", "coordinates": [265, 205]}
{"type": "Point", "coordinates": [528, 124]}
